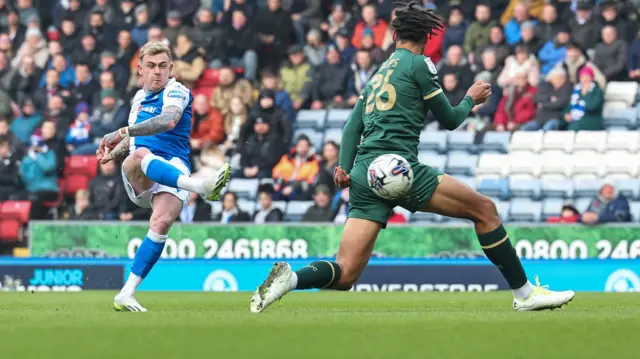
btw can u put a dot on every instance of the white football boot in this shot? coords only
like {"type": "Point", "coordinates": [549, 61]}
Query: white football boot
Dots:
{"type": "Point", "coordinates": [277, 284]}
{"type": "Point", "coordinates": [542, 298]}
{"type": "Point", "coordinates": [127, 303]}
{"type": "Point", "coordinates": [215, 184]}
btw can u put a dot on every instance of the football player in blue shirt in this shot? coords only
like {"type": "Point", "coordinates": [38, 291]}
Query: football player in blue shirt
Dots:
{"type": "Point", "coordinates": [156, 171]}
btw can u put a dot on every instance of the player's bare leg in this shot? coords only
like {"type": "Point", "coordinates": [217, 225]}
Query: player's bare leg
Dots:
{"type": "Point", "coordinates": [166, 208]}
{"type": "Point", "coordinates": [156, 169]}
{"type": "Point", "coordinates": [358, 238]}
{"type": "Point", "coordinates": [454, 199]}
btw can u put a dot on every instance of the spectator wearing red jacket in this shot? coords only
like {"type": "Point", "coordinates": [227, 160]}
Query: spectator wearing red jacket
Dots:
{"type": "Point", "coordinates": [369, 21]}
{"type": "Point", "coordinates": [569, 214]}
{"type": "Point", "coordinates": [516, 106]}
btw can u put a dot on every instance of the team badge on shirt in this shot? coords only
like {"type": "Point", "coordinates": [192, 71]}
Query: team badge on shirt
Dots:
{"type": "Point", "coordinates": [430, 65]}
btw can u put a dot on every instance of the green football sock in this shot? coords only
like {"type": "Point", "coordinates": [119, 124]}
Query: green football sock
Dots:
{"type": "Point", "coordinates": [497, 247]}
{"type": "Point", "coordinates": [320, 274]}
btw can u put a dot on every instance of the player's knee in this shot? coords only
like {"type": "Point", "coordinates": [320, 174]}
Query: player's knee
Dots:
{"type": "Point", "coordinates": [140, 153]}
{"type": "Point", "coordinates": [161, 222]}
{"type": "Point", "coordinates": [486, 211]}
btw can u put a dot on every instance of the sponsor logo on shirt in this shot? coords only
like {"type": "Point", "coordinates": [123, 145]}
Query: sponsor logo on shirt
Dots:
{"type": "Point", "coordinates": [149, 109]}
{"type": "Point", "coordinates": [177, 94]}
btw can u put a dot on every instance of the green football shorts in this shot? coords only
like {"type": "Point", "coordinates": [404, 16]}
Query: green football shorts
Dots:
{"type": "Point", "coordinates": [365, 204]}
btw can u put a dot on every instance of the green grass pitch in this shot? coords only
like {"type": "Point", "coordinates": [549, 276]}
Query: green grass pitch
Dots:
{"type": "Point", "coordinates": [327, 325]}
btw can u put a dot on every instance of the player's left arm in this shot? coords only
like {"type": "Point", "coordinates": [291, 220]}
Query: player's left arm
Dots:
{"type": "Point", "coordinates": [351, 136]}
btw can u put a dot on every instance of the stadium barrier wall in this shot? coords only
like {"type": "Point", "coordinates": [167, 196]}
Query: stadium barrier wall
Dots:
{"type": "Point", "coordinates": [300, 241]}
{"type": "Point", "coordinates": [382, 275]}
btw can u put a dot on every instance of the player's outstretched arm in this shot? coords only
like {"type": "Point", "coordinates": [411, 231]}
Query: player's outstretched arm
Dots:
{"type": "Point", "coordinates": [165, 121]}
{"type": "Point", "coordinates": [351, 135]}
{"type": "Point", "coordinates": [452, 117]}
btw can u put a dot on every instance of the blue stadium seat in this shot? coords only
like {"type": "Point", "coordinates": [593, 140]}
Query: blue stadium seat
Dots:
{"type": "Point", "coordinates": [433, 159]}
{"type": "Point", "coordinates": [629, 188]}
{"type": "Point", "coordinates": [246, 205]}
{"type": "Point", "coordinates": [425, 217]}
{"type": "Point", "coordinates": [336, 118]}
{"type": "Point", "coordinates": [503, 209]}
{"type": "Point", "coordinates": [333, 134]}
{"type": "Point", "coordinates": [461, 164]}
{"type": "Point", "coordinates": [619, 117]}
{"type": "Point", "coordinates": [551, 207]}
{"type": "Point", "coordinates": [635, 211]}
{"type": "Point", "coordinates": [461, 141]}
{"type": "Point", "coordinates": [311, 119]}
{"type": "Point", "coordinates": [494, 188]}
{"type": "Point", "coordinates": [244, 188]}
{"type": "Point", "coordinates": [526, 188]}
{"type": "Point", "coordinates": [525, 210]}
{"type": "Point", "coordinates": [587, 188]}
{"type": "Point", "coordinates": [315, 137]}
{"type": "Point", "coordinates": [495, 141]}
{"type": "Point", "coordinates": [433, 141]}
{"type": "Point", "coordinates": [582, 204]}
{"type": "Point", "coordinates": [557, 188]}
{"type": "Point", "coordinates": [297, 209]}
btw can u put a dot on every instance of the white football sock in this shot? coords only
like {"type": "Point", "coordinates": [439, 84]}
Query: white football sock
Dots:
{"type": "Point", "coordinates": [132, 284]}
{"type": "Point", "coordinates": [293, 283]}
{"type": "Point", "coordinates": [191, 184]}
{"type": "Point", "coordinates": [523, 292]}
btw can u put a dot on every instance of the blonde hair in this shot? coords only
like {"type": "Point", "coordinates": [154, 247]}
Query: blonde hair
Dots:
{"type": "Point", "coordinates": [152, 48]}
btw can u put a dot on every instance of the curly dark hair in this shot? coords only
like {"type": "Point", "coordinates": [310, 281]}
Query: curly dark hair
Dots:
{"type": "Point", "coordinates": [415, 23]}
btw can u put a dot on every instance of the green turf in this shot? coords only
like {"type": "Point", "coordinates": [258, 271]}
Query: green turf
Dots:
{"type": "Point", "coordinates": [326, 325]}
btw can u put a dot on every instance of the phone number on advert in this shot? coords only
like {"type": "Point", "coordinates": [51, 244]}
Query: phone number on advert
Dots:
{"type": "Point", "coordinates": [577, 249]}
{"type": "Point", "coordinates": [229, 249]}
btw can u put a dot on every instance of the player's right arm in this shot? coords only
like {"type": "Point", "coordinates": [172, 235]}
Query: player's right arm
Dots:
{"type": "Point", "coordinates": [448, 116]}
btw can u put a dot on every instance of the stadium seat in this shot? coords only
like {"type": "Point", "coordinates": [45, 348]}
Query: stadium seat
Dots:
{"type": "Point", "coordinates": [311, 119]}
{"type": "Point", "coordinates": [525, 188]}
{"type": "Point", "coordinates": [282, 205]}
{"type": "Point", "coordinates": [558, 140]}
{"type": "Point", "coordinates": [557, 188]}
{"type": "Point", "coordinates": [617, 113]}
{"type": "Point", "coordinates": [635, 211]}
{"type": "Point", "coordinates": [630, 187]}
{"type": "Point", "coordinates": [205, 90]}
{"type": "Point", "coordinates": [404, 212]}
{"type": "Point", "coordinates": [526, 141]}
{"type": "Point", "coordinates": [551, 207]}
{"type": "Point", "coordinates": [503, 209]}
{"type": "Point", "coordinates": [433, 141]}
{"type": "Point", "coordinates": [54, 205]}
{"type": "Point", "coordinates": [433, 159]}
{"type": "Point", "coordinates": [621, 91]}
{"type": "Point", "coordinates": [209, 78]}
{"type": "Point", "coordinates": [494, 188]}
{"type": "Point", "coordinates": [620, 162]}
{"type": "Point", "coordinates": [586, 188]}
{"type": "Point", "coordinates": [527, 163]}
{"type": "Point", "coordinates": [623, 140]}
{"type": "Point", "coordinates": [315, 137]}
{"type": "Point", "coordinates": [78, 172]}
{"type": "Point", "coordinates": [525, 210]}
{"type": "Point", "coordinates": [582, 204]}
{"type": "Point", "coordinates": [247, 205]}
{"type": "Point", "coordinates": [13, 216]}
{"type": "Point", "coordinates": [587, 163]}
{"type": "Point", "coordinates": [297, 209]}
{"type": "Point", "coordinates": [493, 164]}
{"type": "Point", "coordinates": [590, 140]}
{"type": "Point", "coordinates": [461, 141]}
{"type": "Point", "coordinates": [333, 134]}
{"type": "Point", "coordinates": [495, 141]}
{"type": "Point", "coordinates": [555, 162]}
{"type": "Point", "coordinates": [244, 188]}
{"type": "Point", "coordinates": [461, 164]}
{"type": "Point", "coordinates": [337, 118]}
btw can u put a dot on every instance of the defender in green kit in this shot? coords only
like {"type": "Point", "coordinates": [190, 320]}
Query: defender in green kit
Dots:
{"type": "Point", "coordinates": [388, 118]}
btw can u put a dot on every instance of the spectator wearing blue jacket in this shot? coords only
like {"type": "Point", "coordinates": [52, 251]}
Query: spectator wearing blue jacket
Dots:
{"type": "Point", "coordinates": [282, 99]}
{"type": "Point", "coordinates": [607, 207]}
{"type": "Point", "coordinates": [554, 51]}
{"type": "Point", "coordinates": [78, 139]}
{"type": "Point", "coordinates": [39, 175]}
{"type": "Point", "coordinates": [512, 28]}
{"type": "Point", "coordinates": [24, 125]}
{"type": "Point", "coordinates": [456, 29]}
{"type": "Point", "coordinates": [634, 59]}
{"type": "Point", "coordinates": [140, 32]}
{"type": "Point", "coordinates": [60, 63]}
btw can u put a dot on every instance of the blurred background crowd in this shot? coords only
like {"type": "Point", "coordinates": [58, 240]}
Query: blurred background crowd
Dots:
{"type": "Point", "coordinates": [68, 74]}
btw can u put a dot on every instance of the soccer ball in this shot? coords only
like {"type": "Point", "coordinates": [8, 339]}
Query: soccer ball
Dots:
{"type": "Point", "coordinates": [390, 176]}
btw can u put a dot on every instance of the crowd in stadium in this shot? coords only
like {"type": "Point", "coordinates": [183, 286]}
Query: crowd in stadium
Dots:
{"type": "Point", "coordinates": [68, 74]}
